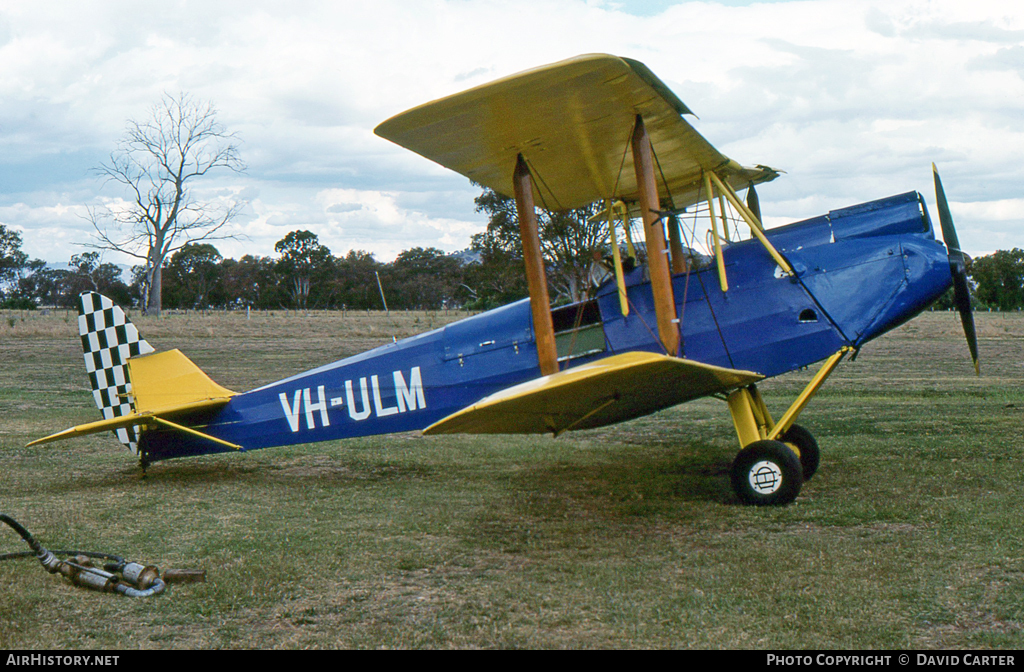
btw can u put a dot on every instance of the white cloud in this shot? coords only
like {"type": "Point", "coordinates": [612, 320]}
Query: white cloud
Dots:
{"type": "Point", "coordinates": [853, 99]}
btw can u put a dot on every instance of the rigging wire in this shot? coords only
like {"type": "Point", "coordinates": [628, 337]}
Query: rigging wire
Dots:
{"type": "Point", "coordinates": [622, 162]}
{"type": "Point", "coordinates": [680, 314]}
{"type": "Point", "coordinates": [711, 309]}
{"type": "Point", "coordinates": [540, 192]}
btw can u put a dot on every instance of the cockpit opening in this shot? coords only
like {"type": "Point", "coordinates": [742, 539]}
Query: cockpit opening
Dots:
{"type": "Point", "coordinates": [579, 330]}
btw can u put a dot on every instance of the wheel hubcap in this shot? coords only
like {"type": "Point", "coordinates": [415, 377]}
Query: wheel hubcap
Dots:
{"type": "Point", "coordinates": [765, 477]}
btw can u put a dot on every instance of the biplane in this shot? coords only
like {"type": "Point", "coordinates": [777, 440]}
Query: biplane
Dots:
{"type": "Point", "coordinates": [666, 326]}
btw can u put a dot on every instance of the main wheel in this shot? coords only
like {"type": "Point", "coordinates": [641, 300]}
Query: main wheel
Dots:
{"type": "Point", "coordinates": [807, 446]}
{"type": "Point", "coordinates": [767, 473]}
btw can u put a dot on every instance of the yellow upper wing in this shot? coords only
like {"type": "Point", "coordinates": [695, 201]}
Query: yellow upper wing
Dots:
{"type": "Point", "coordinates": [601, 393]}
{"type": "Point", "coordinates": [572, 122]}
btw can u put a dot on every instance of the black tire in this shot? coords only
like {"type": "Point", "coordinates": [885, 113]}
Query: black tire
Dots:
{"type": "Point", "coordinates": [767, 473]}
{"type": "Point", "coordinates": [807, 446]}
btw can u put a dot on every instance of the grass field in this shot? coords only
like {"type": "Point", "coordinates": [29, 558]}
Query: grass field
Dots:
{"type": "Point", "coordinates": [629, 536]}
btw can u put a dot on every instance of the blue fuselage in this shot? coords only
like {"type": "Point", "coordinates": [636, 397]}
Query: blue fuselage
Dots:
{"type": "Point", "coordinates": [859, 272]}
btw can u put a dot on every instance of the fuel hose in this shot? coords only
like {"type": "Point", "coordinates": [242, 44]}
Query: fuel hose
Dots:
{"type": "Point", "coordinates": [131, 579]}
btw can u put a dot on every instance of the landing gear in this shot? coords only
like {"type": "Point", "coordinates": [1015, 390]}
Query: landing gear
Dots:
{"type": "Point", "coordinates": [776, 457]}
{"type": "Point", "coordinates": [767, 473]}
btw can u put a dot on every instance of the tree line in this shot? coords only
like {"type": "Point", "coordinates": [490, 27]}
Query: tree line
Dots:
{"type": "Point", "coordinates": [305, 275]}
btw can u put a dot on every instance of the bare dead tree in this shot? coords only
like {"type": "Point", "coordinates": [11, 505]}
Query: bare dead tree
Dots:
{"type": "Point", "coordinates": [158, 161]}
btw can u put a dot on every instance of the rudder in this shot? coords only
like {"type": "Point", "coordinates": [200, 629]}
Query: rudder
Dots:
{"type": "Point", "coordinates": [109, 339]}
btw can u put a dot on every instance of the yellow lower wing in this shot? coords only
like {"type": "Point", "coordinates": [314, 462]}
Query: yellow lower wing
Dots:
{"type": "Point", "coordinates": [611, 390]}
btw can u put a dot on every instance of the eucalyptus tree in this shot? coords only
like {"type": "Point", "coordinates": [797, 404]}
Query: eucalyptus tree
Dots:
{"type": "Point", "coordinates": [196, 273]}
{"type": "Point", "coordinates": [305, 265]}
{"type": "Point", "coordinates": [423, 278]}
{"type": "Point", "coordinates": [158, 162]}
{"type": "Point", "coordinates": [568, 240]}
{"type": "Point", "coordinates": [999, 279]}
{"type": "Point", "coordinates": [12, 259]}
{"type": "Point", "coordinates": [251, 281]}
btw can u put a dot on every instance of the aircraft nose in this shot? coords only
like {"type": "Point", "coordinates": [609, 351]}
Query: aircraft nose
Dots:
{"type": "Point", "coordinates": [927, 277]}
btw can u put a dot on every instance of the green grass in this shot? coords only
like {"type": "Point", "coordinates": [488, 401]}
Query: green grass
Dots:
{"type": "Point", "coordinates": [627, 536]}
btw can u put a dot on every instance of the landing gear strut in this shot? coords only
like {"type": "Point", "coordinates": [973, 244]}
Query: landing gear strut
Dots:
{"type": "Point", "coordinates": [775, 457]}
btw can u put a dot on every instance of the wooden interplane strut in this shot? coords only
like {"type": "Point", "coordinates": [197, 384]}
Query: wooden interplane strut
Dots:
{"type": "Point", "coordinates": [536, 277]}
{"type": "Point", "coordinates": [654, 232]}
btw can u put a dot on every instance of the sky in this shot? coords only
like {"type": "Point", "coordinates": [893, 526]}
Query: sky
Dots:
{"type": "Point", "coordinates": [853, 99]}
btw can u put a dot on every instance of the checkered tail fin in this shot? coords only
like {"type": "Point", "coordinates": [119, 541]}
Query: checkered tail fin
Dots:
{"type": "Point", "coordinates": [109, 339]}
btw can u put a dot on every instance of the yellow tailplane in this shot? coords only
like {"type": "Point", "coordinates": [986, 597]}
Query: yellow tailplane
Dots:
{"type": "Point", "coordinates": [163, 385]}
{"type": "Point", "coordinates": [169, 382]}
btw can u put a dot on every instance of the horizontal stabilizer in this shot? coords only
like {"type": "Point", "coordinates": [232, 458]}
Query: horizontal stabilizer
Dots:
{"type": "Point", "coordinates": [119, 422]}
{"type": "Point", "coordinates": [163, 385]}
{"type": "Point", "coordinates": [611, 390]}
{"type": "Point", "coordinates": [164, 381]}
{"type": "Point", "coordinates": [147, 419]}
